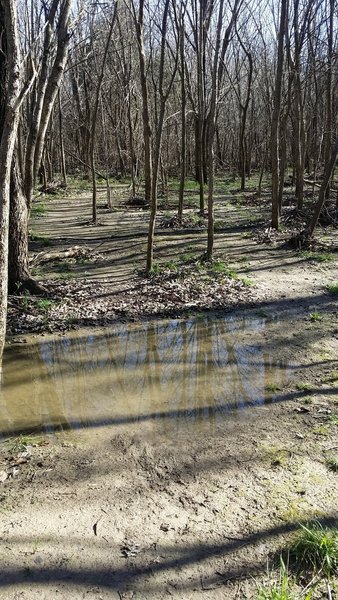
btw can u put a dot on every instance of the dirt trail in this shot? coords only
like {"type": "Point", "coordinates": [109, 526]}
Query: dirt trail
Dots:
{"type": "Point", "coordinates": [128, 511]}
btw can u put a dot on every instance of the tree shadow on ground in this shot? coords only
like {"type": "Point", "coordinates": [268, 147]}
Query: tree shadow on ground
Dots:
{"type": "Point", "coordinates": [161, 560]}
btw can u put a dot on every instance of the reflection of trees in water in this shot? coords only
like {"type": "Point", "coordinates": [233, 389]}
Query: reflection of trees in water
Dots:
{"type": "Point", "coordinates": [28, 400]}
{"type": "Point", "coordinates": [193, 368]}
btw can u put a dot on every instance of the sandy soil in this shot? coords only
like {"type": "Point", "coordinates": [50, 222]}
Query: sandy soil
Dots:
{"type": "Point", "coordinates": [121, 514]}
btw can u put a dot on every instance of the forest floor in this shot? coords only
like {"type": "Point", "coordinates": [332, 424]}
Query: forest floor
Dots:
{"type": "Point", "coordinates": [122, 515]}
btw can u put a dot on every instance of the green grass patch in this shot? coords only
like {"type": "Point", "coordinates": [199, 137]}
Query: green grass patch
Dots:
{"type": "Point", "coordinates": [332, 288]}
{"type": "Point", "coordinates": [315, 549]}
{"type": "Point", "coordinates": [321, 430]}
{"type": "Point", "coordinates": [22, 443]}
{"type": "Point", "coordinates": [272, 387]}
{"type": "Point", "coordinates": [38, 210]}
{"type": "Point", "coordinates": [219, 267]}
{"type": "Point", "coordinates": [243, 259]}
{"type": "Point", "coordinates": [332, 463]}
{"type": "Point", "coordinates": [303, 387]}
{"type": "Point", "coordinates": [41, 239]}
{"type": "Point", "coordinates": [44, 304]}
{"type": "Point", "coordinates": [321, 257]}
{"type": "Point", "coordinates": [187, 258]}
{"type": "Point", "coordinates": [219, 225]}
{"type": "Point", "coordinates": [279, 588]}
{"type": "Point", "coordinates": [315, 316]}
{"type": "Point", "coordinates": [246, 281]}
{"type": "Point", "coordinates": [189, 185]}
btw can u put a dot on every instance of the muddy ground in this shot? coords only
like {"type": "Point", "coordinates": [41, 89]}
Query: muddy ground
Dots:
{"type": "Point", "coordinates": [122, 513]}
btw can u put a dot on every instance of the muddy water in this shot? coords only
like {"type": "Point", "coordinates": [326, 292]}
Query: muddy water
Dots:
{"type": "Point", "coordinates": [171, 374]}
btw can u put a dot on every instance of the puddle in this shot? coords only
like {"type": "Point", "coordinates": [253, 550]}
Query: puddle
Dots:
{"type": "Point", "coordinates": [171, 374]}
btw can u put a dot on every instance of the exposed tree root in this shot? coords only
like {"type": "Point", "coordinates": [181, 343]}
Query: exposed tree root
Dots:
{"type": "Point", "coordinates": [33, 287]}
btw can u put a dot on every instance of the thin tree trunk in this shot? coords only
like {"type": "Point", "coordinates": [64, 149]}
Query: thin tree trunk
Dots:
{"type": "Point", "coordinates": [322, 192]}
{"type": "Point", "coordinates": [159, 131]}
{"type": "Point", "coordinates": [245, 107]}
{"type": "Point", "coordinates": [329, 95]}
{"type": "Point", "coordinates": [62, 149]}
{"type": "Point", "coordinates": [147, 132]}
{"type": "Point", "coordinates": [275, 121]}
{"type": "Point", "coordinates": [153, 206]}
{"type": "Point", "coordinates": [52, 87]}
{"type": "Point", "coordinates": [183, 124]}
{"type": "Point", "coordinates": [94, 117]}
{"type": "Point", "coordinates": [211, 135]}
{"type": "Point", "coordinates": [201, 102]}
{"type": "Point", "coordinates": [33, 133]}
{"type": "Point", "coordinates": [132, 150]}
{"type": "Point", "coordinates": [217, 76]}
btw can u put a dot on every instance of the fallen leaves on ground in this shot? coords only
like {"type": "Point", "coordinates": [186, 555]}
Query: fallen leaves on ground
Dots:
{"type": "Point", "coordinates": [83, 302]}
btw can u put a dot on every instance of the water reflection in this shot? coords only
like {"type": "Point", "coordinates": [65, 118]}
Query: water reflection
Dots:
{"type": "Point", "coordinates": [191, 372]}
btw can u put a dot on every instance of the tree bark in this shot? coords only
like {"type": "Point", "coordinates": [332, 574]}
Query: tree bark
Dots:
{"type": "Point", "coordinates": [94, 117]}
{"type": "Point", "coordinates": [62, 148]}
{"type": "Point", "coordinates": [33, 133]}
{"type": "Point", "coordinates": [22, 186]}
{"type": "Point", "coordinates": [147, 132]}
{"type": "Point", "coordinates": [10, 80]}
{"type": "Point", "coordinates": [275, 121]}
{"type": "Point", "coordinates": [18, 268]}
{"type": "Point", "coordinates": [217, 76]}
{"type": "Point", "coordinates": [183, 121]}
{"type": "Point", "coordinates": [245, 106]}
{"type": "Point", "coordinates": [53, 83]}
{"type": "Point", "coordinates": [322, 192]}
{"type": "Point", "coordinates": [164, 94]}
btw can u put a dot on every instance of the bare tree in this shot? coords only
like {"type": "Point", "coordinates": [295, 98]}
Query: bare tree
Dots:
{"type": "Point", "coordinates": [95, 112]}
{"type": "Point", "coordinates": [12, 95]}
{"type": "Point", "coordinates": [275, 121]}
{"type": "Point", "coordinates": [138, 16]}
{"type": "Point", "coordinates": [221, 47]}
{"type": "Point", "coordinates": [42, 102]}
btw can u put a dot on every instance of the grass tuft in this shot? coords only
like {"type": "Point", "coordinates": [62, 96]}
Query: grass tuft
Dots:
{"type": "Point", "coordinates": [332, 463]}
{"type": "Point", "coordinates": [322, 257]}
{"type": "Point", "coordinates": [316, 549]}
{"type": "Point", "coordinates": [38, 210]}
{"type": "Point", "coordinates": [278, 589]}
{"type": "Point", "coordinates": [44, 304]}
{"type": "Point", "coordinates": [315, 316]}
{"type": "Point", "coordinates": [333, 288]}
{"type": "Point", "coordinates": [43, 240]}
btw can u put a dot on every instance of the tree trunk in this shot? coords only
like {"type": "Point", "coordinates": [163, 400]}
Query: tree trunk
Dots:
{"type": "Point", "coordinates": [41, 87]}
{"type": "Point", "coordinates": [217, 76]}
{"type": "Point", "coordinates": [322, 192]}
{"type": "Point", "coordinates": [53, 85]}
{"type": "Point", "coordinates": [62, 149]}
{"type": "Point", "coordinates": [275, 122]}
{"type": "Point", "coordinates": [18, 268]}
{"type": "Point", "coordinates": [243, 152]}
{"type": "Point", "coordinates": [153, 206]}
{"type": "Point", "coordinates": [329, 95]}
{"type": "Point", "coordinates": [9, 118]}
{"type": "Point", "coordinates": [94, 117]}
{"type": "Point", "coordinates": [159, 131]}
{"type": "Point", "coordinates": [147, 132]}
{"type": "Point", "coordinates": [183, 124]}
